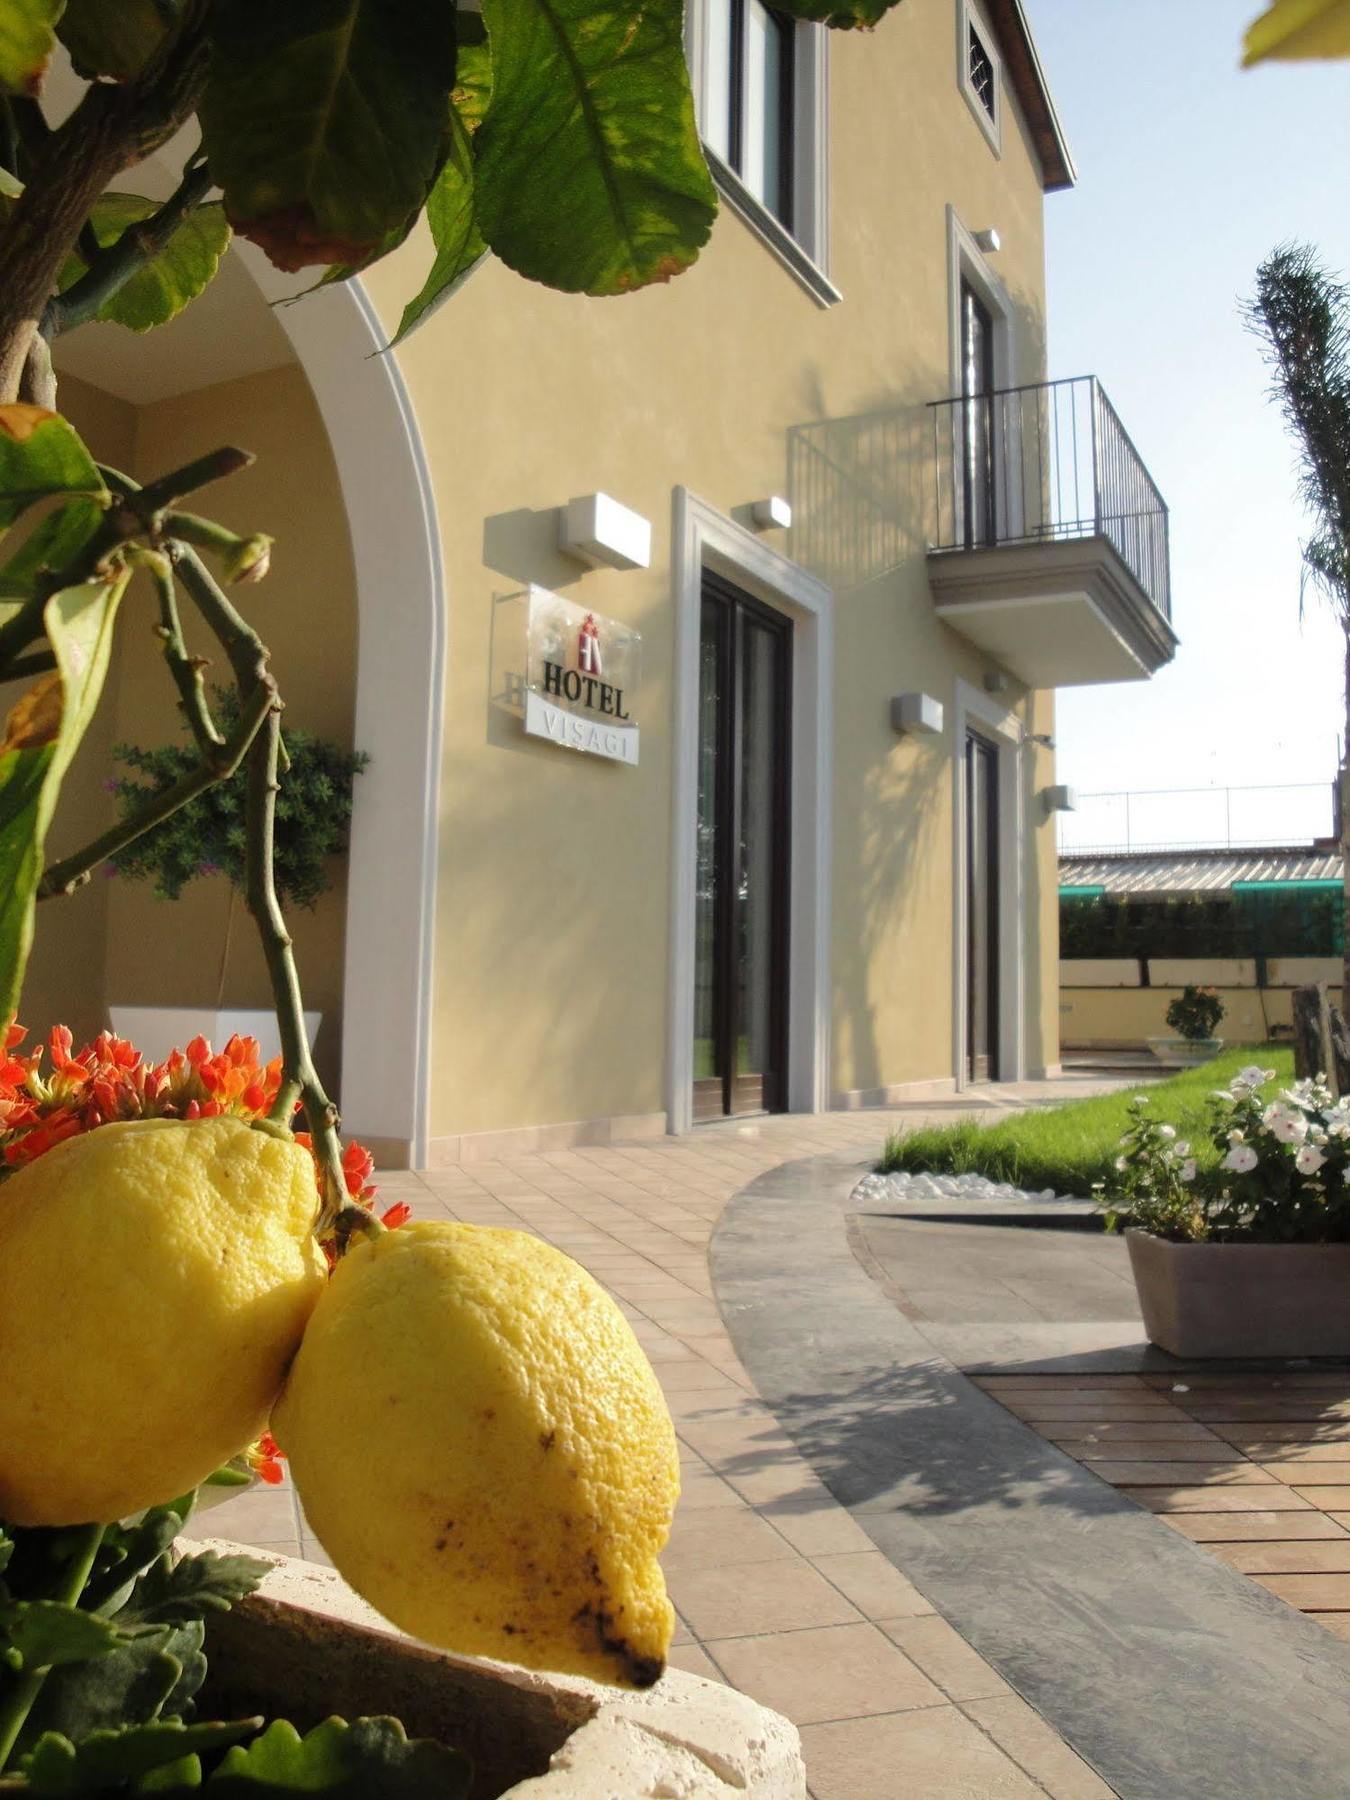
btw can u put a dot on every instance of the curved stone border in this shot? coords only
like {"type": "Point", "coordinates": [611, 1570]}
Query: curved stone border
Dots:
{"type": "Point", "coordinates": [1170, 1674]}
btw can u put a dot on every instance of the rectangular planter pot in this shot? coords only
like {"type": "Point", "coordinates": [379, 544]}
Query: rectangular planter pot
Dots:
{"type": "Point", "coordinates": [1249, 1300]}
{"type": "Point", "coordinates": [305, 1647]}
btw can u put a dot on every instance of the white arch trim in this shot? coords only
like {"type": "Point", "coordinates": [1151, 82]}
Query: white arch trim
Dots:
{"type": "Point", "coordinates": [400, 588]}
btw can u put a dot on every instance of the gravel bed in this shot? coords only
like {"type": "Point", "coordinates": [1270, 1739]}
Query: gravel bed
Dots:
{"type": "Point", "coordinates": [921, 1189]}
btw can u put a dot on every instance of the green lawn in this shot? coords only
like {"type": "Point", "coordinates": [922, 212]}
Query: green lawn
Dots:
{"type": "Point", "coordinates": [1069, 1147]}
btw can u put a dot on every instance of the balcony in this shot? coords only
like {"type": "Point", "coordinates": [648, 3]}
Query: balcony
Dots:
{"type": "Point", "coordinates": [1048, 544]}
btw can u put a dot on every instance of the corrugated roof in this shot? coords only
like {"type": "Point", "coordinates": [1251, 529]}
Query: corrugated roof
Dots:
{"type": "Point", "coordinates": [1198, 871]}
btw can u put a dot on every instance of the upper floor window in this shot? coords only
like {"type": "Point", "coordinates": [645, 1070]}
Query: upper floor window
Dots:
{"type": "Point", "coordinates": [749, 116]}
{"type": "Point", "coordinates": [760, 84]}
{"type": "Point", "coordinates": [980, 70]}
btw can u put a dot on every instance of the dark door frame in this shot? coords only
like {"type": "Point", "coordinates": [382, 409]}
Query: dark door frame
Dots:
{"type": "Point", "coordinates": [727, 839]}
{"type": "Point", "coordinates": [977, 462]}
{"type": "Point", "coordinates": [983, 911]}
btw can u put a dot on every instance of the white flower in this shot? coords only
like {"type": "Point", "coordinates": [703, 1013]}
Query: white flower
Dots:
{"type": "Point", "coordinates": [1122, 1162]}
{"type": "Point", "coordinates": [1290, 1130]}
{"type": "Point", "coordinates": [1240, 1159]}
{"type": "Point", "coordinates": [1309, 1161]}
{"type": "Point", "coordinates": [1167, 1131]}
{"type": "Point", "coordinates": [1187, 1170]}
{"type": "Point", "coordinates": [1183, 1148]}
{"type": "Point", "coordinates": [1254, 1077]}
{"type": "Point", "coordinates": [1237, 1137]}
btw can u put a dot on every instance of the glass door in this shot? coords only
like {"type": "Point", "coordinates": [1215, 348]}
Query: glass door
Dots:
{"type": "Point", "coordinates": [981, 909]}
{"type": "Point", "coordinates": [977, 393]}
{"type": "Point", "coordinates": [740, 964]}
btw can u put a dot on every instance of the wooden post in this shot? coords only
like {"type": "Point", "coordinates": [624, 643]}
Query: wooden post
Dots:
{"type": "Point", "coordinates": [1318, 1048]}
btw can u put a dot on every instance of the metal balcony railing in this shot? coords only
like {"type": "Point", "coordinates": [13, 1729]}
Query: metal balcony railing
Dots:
{"type": "Point", "coordinates": [1042, 464]}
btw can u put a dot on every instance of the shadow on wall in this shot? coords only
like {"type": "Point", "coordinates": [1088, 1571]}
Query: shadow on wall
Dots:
{"type": "Point", "coordinates": [892, 839]}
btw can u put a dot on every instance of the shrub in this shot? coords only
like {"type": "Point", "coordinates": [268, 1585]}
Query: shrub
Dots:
{"type": "Point", "coordinates": [1195, 1013]}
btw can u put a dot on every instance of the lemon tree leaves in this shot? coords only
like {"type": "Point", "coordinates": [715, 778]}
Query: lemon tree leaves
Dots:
{"type": "Point", "coordinates": [114, 37]}
{"type": "Point", "coordinates": [454, 231]}
{"type": "Point", "coordinates": [1292, 30]}
{"type": "Point", "coordinates": [588, 170]}
{"type": "Point", "coordinates": [36, 754]}
{"type": "Point", "coordinates": [26, 41]}
{"type": "Point", "coordinates": [164, 284]}
{"type": "Point", "coordinates": [41, 455]}
{"type": "Point", "coordinates": [324, 120]}
{"type": "Point", "coordinates": [840, 15]}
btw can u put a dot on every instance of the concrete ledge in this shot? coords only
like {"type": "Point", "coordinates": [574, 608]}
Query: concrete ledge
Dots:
{"type": "Point", "coordinates": [860, 1099]}
{"type": "Point", "coordinates": [306, 1644]}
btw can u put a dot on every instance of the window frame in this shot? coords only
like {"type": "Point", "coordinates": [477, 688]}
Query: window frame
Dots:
{"type": "Point", "coordinates": [970, 21]}
{"type": "Point", "coordinates": [803, 247]}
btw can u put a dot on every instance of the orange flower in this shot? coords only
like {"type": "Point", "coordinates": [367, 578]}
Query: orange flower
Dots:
{"type": "Point", "coordinates": [265, 1459]}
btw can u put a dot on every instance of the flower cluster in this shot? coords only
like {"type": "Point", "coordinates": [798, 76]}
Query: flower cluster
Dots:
{"type": "Point", "coordinates": [1281, 1172]}
{"type": "Point", "coordinates": [109, 1079]}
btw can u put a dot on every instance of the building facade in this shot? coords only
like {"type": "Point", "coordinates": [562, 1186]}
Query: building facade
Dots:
{"type": "Point", "coordinates": [806, 857]}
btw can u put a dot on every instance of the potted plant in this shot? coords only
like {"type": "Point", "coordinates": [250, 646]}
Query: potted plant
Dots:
{"type": "Point", "coordinates": [206, 838]}
{"type": "Point", "coordinates": [1194, 1014]}
{"type": "Point", "coordinates": [1249, 1257]}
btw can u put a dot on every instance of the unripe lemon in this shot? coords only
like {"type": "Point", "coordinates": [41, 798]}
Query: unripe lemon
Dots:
{"type": "Point", "coordinates": [155, 1277]}
{"type": "Point", "coordinates": [483, 1450]}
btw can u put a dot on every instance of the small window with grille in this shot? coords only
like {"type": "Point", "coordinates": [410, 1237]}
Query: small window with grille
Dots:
{"type": "Point", "coordinates": [982, 76]}
{"type": "Point", "coordinates": [979, 70]}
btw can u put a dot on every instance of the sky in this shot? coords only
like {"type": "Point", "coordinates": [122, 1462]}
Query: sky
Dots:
{"type": "Point", "coordinates": [1190, 171]}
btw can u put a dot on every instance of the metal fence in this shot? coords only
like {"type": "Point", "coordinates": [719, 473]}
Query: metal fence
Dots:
{"type": "Point", "coordinates": [1046, 463]}
{"type": "Point", "coordinates": [1210, 818]}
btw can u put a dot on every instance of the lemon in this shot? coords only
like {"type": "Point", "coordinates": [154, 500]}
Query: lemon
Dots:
{"type": "Point", "coordinates": [155, 1278]}
{"type": "Point", "coordinates": [484, 1452]}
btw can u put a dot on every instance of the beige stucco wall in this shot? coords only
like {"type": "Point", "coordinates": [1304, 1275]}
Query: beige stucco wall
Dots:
{"type": "Point", "coordinates": [114, 942]}
{"type": "Point", "coordinates": [1092, 1018]}
{"type": "Point", "coordinates": [551, 978]}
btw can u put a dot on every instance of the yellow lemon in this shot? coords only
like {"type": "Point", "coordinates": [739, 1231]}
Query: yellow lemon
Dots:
{"type": "Point", "coordinates": [155, 1278]}
{"type": "Point", "coordinates": [483, 1450]}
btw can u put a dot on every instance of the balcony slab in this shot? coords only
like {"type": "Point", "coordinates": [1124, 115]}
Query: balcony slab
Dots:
{"type": "Point", "coordinates": [1068, 613]}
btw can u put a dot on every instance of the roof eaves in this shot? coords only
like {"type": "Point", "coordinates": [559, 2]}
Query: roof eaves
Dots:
{"type": "Point", "coordinates": [1025, 71]}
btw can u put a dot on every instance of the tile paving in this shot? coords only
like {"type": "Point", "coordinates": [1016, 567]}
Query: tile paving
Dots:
{"type": "Point", "coordinates": [777, 1589]}
{"type": "Point", "coordinates": [1255, 1467]}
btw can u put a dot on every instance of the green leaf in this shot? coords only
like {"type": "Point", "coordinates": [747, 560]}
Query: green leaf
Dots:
{"type": "Point", "coordinates": [35, 755]}
{"type": "Point", "coordinates": [59, 1768]}
{"type": "Point", "coordinates": [459, 248]}
{"type": "Point", "coordinates": [26, 41]}
{"type": "Point", "coordinates": [49, 546]}
{"type": "Point", "coordinates": [163, 286]}
{"type": "Point", "coordinates": [128, 1551]}
{"type": "Point", "coordinates": [113, 37]}
{"type": "Point", "coordinates": [171, 1592]}
{"type": "Point", "coordinates": [324, 120]}
{"type": "Point", "coordinates": [370, 1759]}
{"type": "Point", "coordinates": [6, 1549]}
{"type": "Point", "coordinates": [1295, 30]}
{"type": "Point", "coordinates": [40, 1634]}
{"type": "Point", "coordinates": [588, 170]}
{"type": "Point", "coordinates": [40, 455]}
{"type": "Point", "coordinates": [142, 1678]}
{"type": "Point", "coordinates": [841, 15]}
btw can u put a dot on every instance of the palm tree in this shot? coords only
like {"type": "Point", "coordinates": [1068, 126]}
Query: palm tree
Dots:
{"type": "Point", "coordinates": [1301, 312]}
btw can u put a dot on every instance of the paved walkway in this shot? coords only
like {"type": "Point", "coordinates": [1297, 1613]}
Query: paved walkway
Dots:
{"type": "Point", "coordinates": [779, 1590]}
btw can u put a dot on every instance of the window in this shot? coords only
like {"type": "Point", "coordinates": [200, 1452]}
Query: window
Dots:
{"type": "Point", "coordinates": [749, 115]}
{"type": "Point", "coordinates": [760, 83]}
{"type": "Point", "coordinates": [982, 76]}
{"type": "Point", "coordinates": [979, 70]}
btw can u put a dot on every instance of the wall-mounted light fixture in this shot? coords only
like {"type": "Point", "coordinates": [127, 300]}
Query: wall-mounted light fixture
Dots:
{"type": "Point", "coordinates": [1043, 738]}
{"type": "Point", "coordinates": [1060, 799]}
{"type": "Point", "coordinates": [918, 713]}
{"type": "Point", "coordinates": [598, 531]}
{"type": "Point", "coordinates": [773, 514]}
{"type": "Point", "coordinates": [988, 240]}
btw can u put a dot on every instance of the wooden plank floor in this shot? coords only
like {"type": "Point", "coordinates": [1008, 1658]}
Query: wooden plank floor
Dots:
{"type": "Point", "coordinates": [1254, 1467]}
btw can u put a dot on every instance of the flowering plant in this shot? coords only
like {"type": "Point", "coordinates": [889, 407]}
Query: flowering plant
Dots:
{"type": "Point", "coordinates": [1282, 1173]}
{"type": "Point", "coordinates": [109, 1079]}
{"type": "Point", "coordinates": [1195, 1013]}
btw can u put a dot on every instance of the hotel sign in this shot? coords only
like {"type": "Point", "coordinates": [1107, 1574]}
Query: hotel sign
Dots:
{"type": "Point", "coordinates": [581, 678]}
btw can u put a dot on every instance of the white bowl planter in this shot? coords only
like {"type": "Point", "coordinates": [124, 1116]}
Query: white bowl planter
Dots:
{"type": "Point", "coordinates": [155, 1030]}
{"type": "Point", "coordinates": [305, 1647]}
{"type": "Point", "coordinates": [1250, 1300]}
{"type": "Point", "coordinates": [1184, 1053]}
